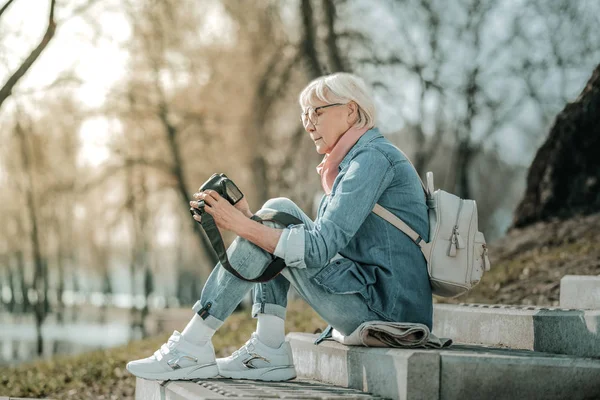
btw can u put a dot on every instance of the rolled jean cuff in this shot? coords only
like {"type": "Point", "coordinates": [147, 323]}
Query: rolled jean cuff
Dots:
{"type": "Point", "coordinates": [211, 321]}
{"type": "Point", "coordinates": [271, 309]}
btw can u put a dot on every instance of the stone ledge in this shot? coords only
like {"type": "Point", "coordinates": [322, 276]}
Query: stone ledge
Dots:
{"type": "Point", "coordinates": [552, 330]}
{"type": "Point", "coordinates": [580, 291]}
{"type": "Point", "coordinates": [213, 389]}
{"type": "Point", "coordinates": [396, 374]}
{"type": "Point", "coordinates": [459, 372]}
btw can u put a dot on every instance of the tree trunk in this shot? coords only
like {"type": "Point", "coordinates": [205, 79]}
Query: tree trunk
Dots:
{"type": "Point", "coordinates": [40, 281]}
{"type": "Point", "coordinates": [60, 288]}
{"type": "Point", "coordinates": [23, 287]}
{"type": "Point", "coordinates": [336, 60]}
{"type": "Point", "coordinates": [184, 192]}
{"type": "Point", "coordinates": [308, 40]}
{"type": "Point", "coordinates": [11, 306]}
{"type": "Point", "coordinates": [564, 178]}
{"type": "Point", "coordinates": [464, 156]}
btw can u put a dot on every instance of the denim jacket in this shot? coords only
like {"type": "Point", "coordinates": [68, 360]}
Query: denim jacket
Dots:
{"type": "Point", "coordinates": [378, 261]}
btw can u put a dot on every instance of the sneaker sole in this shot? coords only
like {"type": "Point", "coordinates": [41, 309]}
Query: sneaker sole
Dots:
{"type": "Point", "coordinates": [263, 374]}
{"type": "Point", "coordinates": [202, 372]}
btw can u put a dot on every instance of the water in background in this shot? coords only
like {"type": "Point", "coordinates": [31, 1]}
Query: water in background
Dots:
{"type": "Point", "coordinates": [82, 326]}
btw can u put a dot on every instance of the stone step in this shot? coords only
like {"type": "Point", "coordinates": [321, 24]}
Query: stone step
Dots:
{"type": "Point", "coordinates": [552, 330]}
{"type": "Point", "coordinates": [458, 372]}
{"type": "Point", "coordinates": [213, 389]}
{"type": "Point", "coordinates": [580, 291]}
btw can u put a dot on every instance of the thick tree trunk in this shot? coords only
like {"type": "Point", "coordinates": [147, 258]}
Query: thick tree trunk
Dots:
{"type": "Point", "coordinates": [464, 156]}
{"type": "Point", "coordinates": [308, 40]}
{"type": "Point", "coordinates": [564, 178]}
{"type": "Point", "coordinates": [336, 60]}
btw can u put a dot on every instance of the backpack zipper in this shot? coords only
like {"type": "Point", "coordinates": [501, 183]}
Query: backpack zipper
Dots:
{"type": "Point", "coordinates": [456, 241]}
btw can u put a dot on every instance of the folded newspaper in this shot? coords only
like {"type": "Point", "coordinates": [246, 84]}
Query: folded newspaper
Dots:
{"type": "Point", "coordinates": [387, 334]}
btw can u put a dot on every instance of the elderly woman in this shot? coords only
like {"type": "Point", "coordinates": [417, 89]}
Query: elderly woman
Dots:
{"type": "Point", "coordinates": [348, 264]}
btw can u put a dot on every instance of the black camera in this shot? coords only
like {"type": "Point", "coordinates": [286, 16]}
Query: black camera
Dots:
{"type": "Point", "coordinates": [221, 184]}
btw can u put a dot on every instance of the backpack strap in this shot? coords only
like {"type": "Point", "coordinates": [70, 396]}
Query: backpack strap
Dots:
{"type": "Point", "coordinates": [402, 226]}
{"type": "Point", "coordinates": [398, 223]}
{"type": "Point", "coordinates": [274, 268]}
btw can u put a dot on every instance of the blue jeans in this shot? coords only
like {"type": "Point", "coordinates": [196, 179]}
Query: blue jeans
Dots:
{"type": "Point", "coordinates": [345, 312]}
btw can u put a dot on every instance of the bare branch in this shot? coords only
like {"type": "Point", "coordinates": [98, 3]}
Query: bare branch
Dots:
{"type": "Point", "coordinates": [6, 90]}
{"type": "Point", "coordinates": [5, 7]}
{"type": "Point", "coordinates": [110, 172]}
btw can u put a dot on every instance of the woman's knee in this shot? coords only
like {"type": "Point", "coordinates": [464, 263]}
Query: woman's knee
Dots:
{"type": "Point", "coordinates": [280, 204]}
{"type": "Point", "coordinates": [285, 205]}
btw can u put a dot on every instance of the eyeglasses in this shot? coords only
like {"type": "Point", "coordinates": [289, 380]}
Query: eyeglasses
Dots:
{"type": "Point", "coordinates": [311, 114]}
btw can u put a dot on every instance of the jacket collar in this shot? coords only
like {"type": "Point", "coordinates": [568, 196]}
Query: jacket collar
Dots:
{"type": "Point", "coordinates": [368, 137]}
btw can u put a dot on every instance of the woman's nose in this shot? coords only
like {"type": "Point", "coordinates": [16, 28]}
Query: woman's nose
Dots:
{"type": "Point", "coordinates": [309, 127]}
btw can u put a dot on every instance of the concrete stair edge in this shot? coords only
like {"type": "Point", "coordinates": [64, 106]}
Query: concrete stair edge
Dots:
{"type": "Point", "coordinates": [546, 329]}
{"type": "Point", "coordinates": [459, 372]}
{"type": "Point", "coordinates": [172, 390]}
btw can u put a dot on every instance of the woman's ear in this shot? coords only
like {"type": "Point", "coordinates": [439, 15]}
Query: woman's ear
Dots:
{"type": "Point", "coordinates": [352, 112]}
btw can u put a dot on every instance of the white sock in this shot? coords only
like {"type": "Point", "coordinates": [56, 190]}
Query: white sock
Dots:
{"type": "Point", "coordinates": [271, 330]}
{"type": "Point", "coordinates": [197, 331]}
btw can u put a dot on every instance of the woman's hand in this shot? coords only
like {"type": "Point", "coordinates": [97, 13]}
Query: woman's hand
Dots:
{"type": "Point", "coordinates": [226, 216]}
{"type": "Point", "coordinates": [241, 205]}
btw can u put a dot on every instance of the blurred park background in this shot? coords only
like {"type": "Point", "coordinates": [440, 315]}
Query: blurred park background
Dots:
{"type": "Point", "coordinates": [114, 112]}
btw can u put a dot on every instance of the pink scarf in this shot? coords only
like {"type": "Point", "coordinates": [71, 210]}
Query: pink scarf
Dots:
{"type": "Point", "coordinates": [328, 168]}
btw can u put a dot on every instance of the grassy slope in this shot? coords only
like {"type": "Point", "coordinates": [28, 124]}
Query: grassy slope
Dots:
{"type": "Point", "coordinates": [527, 264]}
{"type": "Point", "coordinates": [102, 375]}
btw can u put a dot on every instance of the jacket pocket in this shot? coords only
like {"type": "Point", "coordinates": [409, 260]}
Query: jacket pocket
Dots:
{"type": "Point", "coordinates": [342, 276]}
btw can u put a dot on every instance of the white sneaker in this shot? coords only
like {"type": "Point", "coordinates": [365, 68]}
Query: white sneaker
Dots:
{"type": "Point", "coordinates": [257, 361]}
{"type": "Point", "coordinates": [177, 359]}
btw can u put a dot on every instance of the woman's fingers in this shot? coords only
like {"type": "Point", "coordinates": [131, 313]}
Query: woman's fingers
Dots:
{"type": "Point", "coordinates": [209, 196]}
{"type": "Point", "coordinates": [212, 195]}
{"type": "Point", "coordinates": [197, 204]}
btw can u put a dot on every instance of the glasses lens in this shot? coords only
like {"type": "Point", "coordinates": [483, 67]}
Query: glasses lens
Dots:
{"type": "Point", "coordinates": [309, 115]}
{"type": "Point", "coordinates": [312, 116]}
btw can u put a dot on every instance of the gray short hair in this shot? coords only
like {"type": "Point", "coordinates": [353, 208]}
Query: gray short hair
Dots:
{"type": "Point", "coordinates": [341, 87]}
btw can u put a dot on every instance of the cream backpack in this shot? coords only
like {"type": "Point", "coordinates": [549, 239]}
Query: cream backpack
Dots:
{"type": "Point", "coordinates": [456, 254]}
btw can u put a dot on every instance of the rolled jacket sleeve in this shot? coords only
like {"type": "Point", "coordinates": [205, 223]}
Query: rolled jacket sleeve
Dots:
{"type": "Point", "coordinates": [291, 246]}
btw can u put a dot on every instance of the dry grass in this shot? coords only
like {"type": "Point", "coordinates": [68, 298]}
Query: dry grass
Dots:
{"type": "Point", "coordinates": [102, 374]}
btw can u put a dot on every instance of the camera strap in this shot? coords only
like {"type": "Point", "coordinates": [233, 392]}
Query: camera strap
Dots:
{"type": "Point", "coordinates": [274, 268]}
